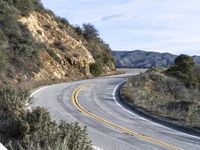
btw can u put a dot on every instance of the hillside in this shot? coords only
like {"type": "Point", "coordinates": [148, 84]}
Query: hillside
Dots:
{"type": "Point", "coordinates": [37, 45]}
{"type": "Point", "coordinates": [143, 59]}
{"type": "Point", "coordinates": [173, 93]}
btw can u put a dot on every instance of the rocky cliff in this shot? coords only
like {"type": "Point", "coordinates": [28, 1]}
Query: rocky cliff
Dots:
{"type": "Point", "coordinates": [35, 44]}
{"type": "Point", "coordinates": [68, 58]}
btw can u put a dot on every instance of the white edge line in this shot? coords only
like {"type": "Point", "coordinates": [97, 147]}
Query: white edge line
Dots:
{"type": "Point", "coordinates": [130, 112]}
{"type": "Point", "coordinates": [30, 109]}
{"type": "Point", "coordinates": [2, 147]}
{"type": "Point", "coordinates": [96, 148]}
{"type": "Point", "coordinates": [38, 90]}
{"type": "Point", "coordinates": [31, 96]}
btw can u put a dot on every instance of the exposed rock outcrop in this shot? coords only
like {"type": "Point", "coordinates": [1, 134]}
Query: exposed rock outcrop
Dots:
{"type": "Point", "coordinates": [68, 58]}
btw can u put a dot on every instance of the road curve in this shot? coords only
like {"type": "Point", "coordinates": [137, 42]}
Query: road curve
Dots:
{"type": "Point", "coordinates": [111, 127]}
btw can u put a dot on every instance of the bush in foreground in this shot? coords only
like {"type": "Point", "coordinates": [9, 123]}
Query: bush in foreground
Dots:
{"type": "Point", "coordinates": [21, 129]}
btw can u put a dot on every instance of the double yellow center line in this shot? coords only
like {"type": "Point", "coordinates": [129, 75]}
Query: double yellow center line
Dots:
{"type": "Point", "coordinates": [76, 103]}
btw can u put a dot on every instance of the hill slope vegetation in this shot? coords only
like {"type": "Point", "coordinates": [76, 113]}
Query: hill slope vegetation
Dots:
{"type": "Point", "coordinates": [37, 45]}
{"type": "Point", "coordinates": [173, 93]}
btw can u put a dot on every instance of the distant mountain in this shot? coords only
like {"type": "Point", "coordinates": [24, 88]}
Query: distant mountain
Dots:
{"type": "Point", "coordinates": [144, 59]}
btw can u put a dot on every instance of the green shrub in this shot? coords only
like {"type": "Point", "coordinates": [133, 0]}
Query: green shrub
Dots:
{"type": "Point", "coordinates": [61, 46]}
{"type": "Point", "coordinates": [53, 54]}
{"type": "Point", "coordinates": [35, 130]}
{"type": "Point", "coordinates": [185, 64]}
{"type": "Point", "coordinates": [193, 115]}
{"type": "Point", "coordinates": [183, 69]}
{"type": "Point", "coordinates": [62, 21]}
{"type": "Point", "coordinates": [90, 32]}
{"type": "Point", "coordinates": [3, 61]}
{"type": "Point", "coordinates": [2, 36]}
{"type": "Point", "coordinates": [78, 30]}
{"type": "Point", "coordinates": [12, 102]}
{"type": "Point", "coordinates": [17, 45]}
{"type": "Point", "coordinates": [25, 6]}
{"type": "Point", "coordinates": [38, 5]}
{"type": "Point", "coordinates": [96, 69]}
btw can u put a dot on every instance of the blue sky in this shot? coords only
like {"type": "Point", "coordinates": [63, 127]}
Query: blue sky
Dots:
{"type": "Point", "coordinates": [152, 25]}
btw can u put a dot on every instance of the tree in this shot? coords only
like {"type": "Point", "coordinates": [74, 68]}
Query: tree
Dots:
{"type": "Point", "coordinates": [184, 69]}
{"type": "Point", "coordinates": [90, 32]}
{"type": "Point", "coordinates": [37, 5]}
{"type": "Point", "coordinates": [78, 30]}
{"type": "Point", "coordinates": [185, 64]}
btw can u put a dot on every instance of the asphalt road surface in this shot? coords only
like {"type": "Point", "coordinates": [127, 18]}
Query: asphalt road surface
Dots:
{"type": "Point", "coordinates": [110, 126]}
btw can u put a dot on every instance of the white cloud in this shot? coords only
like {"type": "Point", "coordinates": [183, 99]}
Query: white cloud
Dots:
{"type": "Point", "coordinates": [160, 25]}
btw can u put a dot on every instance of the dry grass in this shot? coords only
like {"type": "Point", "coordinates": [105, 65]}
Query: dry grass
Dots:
{"type": "Point", "coordinates": [164, 96]}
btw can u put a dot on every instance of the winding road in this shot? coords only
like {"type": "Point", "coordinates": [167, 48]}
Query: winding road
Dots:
{"type": "Point", "coordinates": [93, 103]}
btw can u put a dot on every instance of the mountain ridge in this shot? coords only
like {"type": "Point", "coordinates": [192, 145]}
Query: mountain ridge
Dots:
{"type": "Point", "coordinates": [145, 59]}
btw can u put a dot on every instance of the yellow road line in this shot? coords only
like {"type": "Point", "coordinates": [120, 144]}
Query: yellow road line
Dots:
{"type": "Point", "coordinates": [76, 103]}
